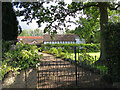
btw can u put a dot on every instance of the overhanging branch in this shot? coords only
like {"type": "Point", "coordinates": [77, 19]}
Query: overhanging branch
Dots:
{"type": "Point", "coordinates": [88, 6]}
{"type": "Point", "coordinates": [113, 8]}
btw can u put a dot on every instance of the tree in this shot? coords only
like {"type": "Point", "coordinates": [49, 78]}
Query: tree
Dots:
{"type": "Point", "coordinates": [9, 22]}
{"type": "Point", "coordinates": [36, 32]}
{"type": "Point", "coordinates": [25, 33]}
{"type": "Point", "coordinates": [31, 32]}
{"type": "Point", "coordinates": [58, 13]}
{"type": "Point", "coordinates": [93, 38]}
{"type": "Point", "coordinates": [91, 25]}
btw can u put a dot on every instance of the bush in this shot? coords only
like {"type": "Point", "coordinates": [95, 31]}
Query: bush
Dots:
{"type": "Point", "coordinates": [60, 50]}
{"type": "Point", "coordinates": [62, 54]}
{"type": "Point", "coordinates": [86, 59]}
{"type": "Point", "coordinates": [6, 45]}
{"type": "Point", "coordinates": [112, 48]}
{"type": "Point", "coordinates": [21, 56]}
{"type": "Point", "coordinates": [70, 47]}
{"type": "Point", "coordinates": [53, 51]}
{"type": "Point", "coordinates": [4, 69]}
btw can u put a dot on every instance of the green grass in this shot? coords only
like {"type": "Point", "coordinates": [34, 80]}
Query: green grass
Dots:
{"type": "Point", "coordinates": [89, 61]}
{"type": "Point", "coordinates": [94, 54]}
{"type": "Point", "coordinates": [97, 54]}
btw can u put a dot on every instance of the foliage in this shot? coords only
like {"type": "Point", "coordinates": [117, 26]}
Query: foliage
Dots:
{"type": "Point", "coordinates": [85, 60]}
{"type": "Point", "coordinates": [60, 50]}
{"type": "Point", "coordinates": [53, 51]}
{"type": "Point", "coordinates": [113, 16]}
{"type": "Point", "coordinates": [24, 33]}
{"type": "Point", "coordinates": [20, 56]}
{"type": "Point", "coordinates": [23, 56]}
{"type": "Point", "coordinates": [36, 32]}
{"type": "Point", "coordinates": [6, 45]}
{"type": "Point", "coordinates": [9, 22]}
{"type": "Point", "coordinates": [89, 25]}
{"type": "Point", "coordinates": [70, 47]}
{"type": "Point", "coordinates": [92, 47]}
{"type": "Point", "coordinates": [96, 38]}
{"type": "Point", "coordinates": [112, 37]}
{"type": "Point", "coordinates": [59, 12]}
{"type": "Point", "coordinates": [92, 38]}
{"type": "Point", "coordinates": [62, 54]}
{"type": "Point", "coordinates": [4, 69]}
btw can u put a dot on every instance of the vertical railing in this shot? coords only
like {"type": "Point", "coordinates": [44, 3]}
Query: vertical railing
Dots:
{"type": "Point", "coordinates": [75, 66]}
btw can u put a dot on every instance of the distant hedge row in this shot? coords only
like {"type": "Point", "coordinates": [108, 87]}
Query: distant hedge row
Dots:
{"type": "Point", "coordinates": [70, 47]}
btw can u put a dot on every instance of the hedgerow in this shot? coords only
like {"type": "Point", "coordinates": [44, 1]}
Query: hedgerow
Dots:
{"type": "Point", "coordinates": [70, 47]}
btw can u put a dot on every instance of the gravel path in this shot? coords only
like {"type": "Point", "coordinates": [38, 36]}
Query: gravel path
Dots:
{"type": "Point", "coordinates": [54, 75]}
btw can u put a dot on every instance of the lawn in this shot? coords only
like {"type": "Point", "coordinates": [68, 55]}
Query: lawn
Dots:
{"type": "Point", "coordinates": [86, 60]}
{"type": "Point", "coordinates": [97, 54]}
{"type": "Point", "coordinates": [94, 54]}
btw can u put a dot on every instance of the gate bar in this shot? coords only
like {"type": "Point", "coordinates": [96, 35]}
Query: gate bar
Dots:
{"type": "Point", "coordinates": [75, 66]}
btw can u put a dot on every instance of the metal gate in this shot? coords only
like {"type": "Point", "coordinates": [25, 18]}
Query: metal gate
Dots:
{"type": "Point", "coordinates": [57, 73]}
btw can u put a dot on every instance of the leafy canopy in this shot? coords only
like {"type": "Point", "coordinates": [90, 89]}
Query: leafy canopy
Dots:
{"type": "Point", "coordinates": [58, 13]}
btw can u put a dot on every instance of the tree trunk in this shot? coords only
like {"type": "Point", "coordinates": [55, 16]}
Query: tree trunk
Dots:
{"type": "Point", "coordinates": [103, 20]}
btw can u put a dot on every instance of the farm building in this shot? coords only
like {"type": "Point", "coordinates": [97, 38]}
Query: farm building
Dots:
{"type": "Point", "coordinates": [31, 39]}
{"type": "Point", "coordinates": [62, 39]}
{"type": "Point", "coordinates": [46, 38]}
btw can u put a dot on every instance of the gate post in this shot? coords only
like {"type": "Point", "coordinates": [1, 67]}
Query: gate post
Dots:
{"type": "Point", "coordinates": [75, 66]}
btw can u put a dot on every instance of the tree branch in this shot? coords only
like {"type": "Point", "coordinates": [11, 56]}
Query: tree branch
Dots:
{"type": "Point", "coordinates": [113, 8]}
{"type": "Point", "coordinates": [88, 6]}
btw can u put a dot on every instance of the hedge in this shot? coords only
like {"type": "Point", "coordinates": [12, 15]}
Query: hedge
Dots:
{"type": "Point", "coordinates": [112, 48]}
{"type": "Point", "coordinates": [70, 47]}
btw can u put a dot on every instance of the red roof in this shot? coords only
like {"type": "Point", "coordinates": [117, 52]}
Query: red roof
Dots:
{"type": "Point", "coordinates": [30, 37]}
{"type": "Point", "coordinates": [59, 37]}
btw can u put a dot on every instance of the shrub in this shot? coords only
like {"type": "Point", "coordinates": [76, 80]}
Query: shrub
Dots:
{"type": "Point", "coordinates": [112, 48]}
{"type": "Point", "coordinates": [70, 47]}
{"type": "Point", "coordinates": [27, 56]}
{"type": "Point", "coordinates": [21, 57]}
{"type": "Point", "coordinates": [62, 54]}
{"type": "Point", "coordinates": [53, 51]}
{"type": "Point", "coordinates": [6, 45]}
{"type": "Point", "coordinates": [60, 50]}
{"type": "Point", "coordinates": [86, 59]}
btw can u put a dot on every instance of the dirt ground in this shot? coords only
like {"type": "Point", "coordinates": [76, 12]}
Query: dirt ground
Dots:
{"type": "Point", "coordinates": [52, 80]}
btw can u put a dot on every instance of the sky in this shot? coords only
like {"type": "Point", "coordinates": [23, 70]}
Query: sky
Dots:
{"type": "Point", "coordinates": [34, 25]}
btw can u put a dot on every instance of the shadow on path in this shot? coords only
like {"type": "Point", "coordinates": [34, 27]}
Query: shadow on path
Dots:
{"type": "Point", "coordinates": [57, 73]}
{"type": "Point", "coordinates": [54, 73]}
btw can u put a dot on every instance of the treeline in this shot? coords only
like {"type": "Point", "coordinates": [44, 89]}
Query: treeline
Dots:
{"type": "Point", "coordinates": [36, 32]}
